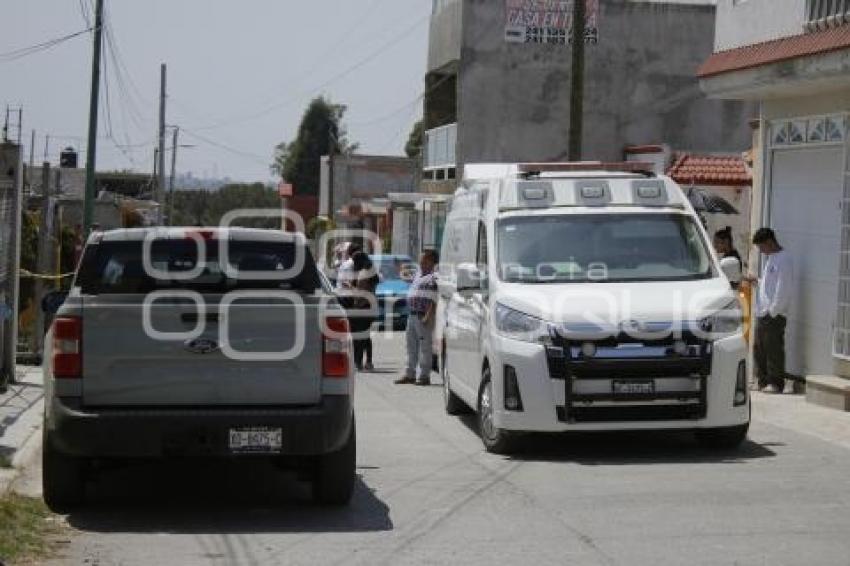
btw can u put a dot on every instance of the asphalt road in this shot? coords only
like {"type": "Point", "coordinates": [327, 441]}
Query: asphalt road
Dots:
{"type": "Point", "coordinates": [428, 494]}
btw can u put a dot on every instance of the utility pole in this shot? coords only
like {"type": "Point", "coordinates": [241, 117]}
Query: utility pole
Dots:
{"type": "Point", "coordinates": [173, 172]}
{"type": "Point", "coordinates": [160, 186]}
{"type": "Point", "coordinates": [577, 86]}
{"type": "Point", "coordinates": [32, 160]}
{"type": "Point", "coordinates": [32, 150]}
{"type": "Point", "coordinates": [331, 150]}
{"type": "Point", "coordinates": [45, 234]}
{"type": "Point", "coordinates": [88, 209]}
{"type": "Point", "coordinates": [6, 125]}
{"type": "Point", "coordinates": [46, 146]}
{"type": "Point", "coordinates": [20, 122]}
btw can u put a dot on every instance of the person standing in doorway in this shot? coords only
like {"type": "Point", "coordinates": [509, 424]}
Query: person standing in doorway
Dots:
{"type": "Point", "coordinates": [422, 304]}
{"type": "Point", "coordinates": [773, 300]}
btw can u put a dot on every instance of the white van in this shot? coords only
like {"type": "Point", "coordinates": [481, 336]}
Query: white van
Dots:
{"type": "Point", "coordinates": [585, 296]}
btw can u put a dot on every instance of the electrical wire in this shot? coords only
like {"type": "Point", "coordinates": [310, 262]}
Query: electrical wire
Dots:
{"type": "Point", "coordinates": [252, 156]}
{"type": "Point", "coordinates": [85, 12]}
{"type": "Point", "coordinates": [16, 54]}
{"type": "Point", "coordinates": [342, 74]}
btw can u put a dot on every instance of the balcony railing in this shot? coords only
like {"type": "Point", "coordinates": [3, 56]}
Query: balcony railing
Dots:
{"type": "Point", "coordinates": [823, 14]}
{"type": "Point", "coordinates": [440, 147]}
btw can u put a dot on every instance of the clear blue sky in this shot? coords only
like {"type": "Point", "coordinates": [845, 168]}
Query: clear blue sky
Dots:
{"type": "Point", "coordinates": [248, 68]}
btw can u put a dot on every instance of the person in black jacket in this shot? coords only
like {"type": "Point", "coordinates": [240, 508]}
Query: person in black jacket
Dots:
{"type": "Point", "coordinates": [361, 315]}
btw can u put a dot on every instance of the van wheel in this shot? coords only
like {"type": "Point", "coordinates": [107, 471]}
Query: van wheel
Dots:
{"type": "Point", "coordinates": [726, 438]}
{"type": "Point", "coordinates": [496, 440]}
{"type": "Point", "coordinates": [333, 483]}
{"type": "Point", "coordinates": [63, 478]}
{"type": "Point", "coordinates": [452, 403]}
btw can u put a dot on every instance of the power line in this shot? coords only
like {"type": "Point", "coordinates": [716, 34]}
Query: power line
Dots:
{"type": "Point", "coordinates": [84, 12]}
{"type": "Point", "coordinates": [361, 63]}
{"type": "Point", "coordinates": [252, 156]}
{"type": "Point", "coordinates": [39, 47]}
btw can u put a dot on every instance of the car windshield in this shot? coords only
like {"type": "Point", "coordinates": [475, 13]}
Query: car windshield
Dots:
{"type": "Point", "coordinates": [117, 267]}
{"type": "Point", "coordinates": [390, 269]}
{"type": "Point", "coordinates": [602, 247]}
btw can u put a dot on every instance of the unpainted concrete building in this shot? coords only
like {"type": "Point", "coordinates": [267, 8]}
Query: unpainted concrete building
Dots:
{"type": "Point", "coordinates": [499, 75]}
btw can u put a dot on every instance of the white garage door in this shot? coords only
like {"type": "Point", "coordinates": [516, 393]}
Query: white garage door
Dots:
{"type": "Point", "coordinates": [806, 215]}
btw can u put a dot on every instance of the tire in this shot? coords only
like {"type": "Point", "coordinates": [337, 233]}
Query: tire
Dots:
{"type": "Point", "coordinates": [333, 483]}
{"type": "Point", "coordinates": [496, 440]}
{"type": "Point", "coordinates": [63, 478]}
{"type": "Point", "coordinates": [452, 403]}
{"type": "Point", "coordinates": [727, 438]}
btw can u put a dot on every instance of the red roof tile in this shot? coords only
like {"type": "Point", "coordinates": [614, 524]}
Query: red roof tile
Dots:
{"type": "Point", "coordinates": [747, 57]}
{"type": "Point", "coordinates": [710, 170]}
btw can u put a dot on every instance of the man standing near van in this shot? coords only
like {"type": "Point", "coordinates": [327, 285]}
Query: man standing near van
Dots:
{"type": "Point", "coordinates": [422, 304]}
{"type": "Point", "coordinates": [773, 300]}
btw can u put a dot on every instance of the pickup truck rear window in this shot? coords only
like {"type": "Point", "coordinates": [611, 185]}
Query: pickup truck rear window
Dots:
{"type": "Point", "coordinates": [117, 267]}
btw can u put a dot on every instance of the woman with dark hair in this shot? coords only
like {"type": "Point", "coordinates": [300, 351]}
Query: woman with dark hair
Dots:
{"type": "Point", "coordinates": [363, 308]}
{"type": "Point", "coordinates": [725, 247]}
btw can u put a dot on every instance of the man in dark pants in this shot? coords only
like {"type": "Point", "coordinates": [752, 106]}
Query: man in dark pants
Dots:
{"type": "Point", "coordinates": [773, 299]}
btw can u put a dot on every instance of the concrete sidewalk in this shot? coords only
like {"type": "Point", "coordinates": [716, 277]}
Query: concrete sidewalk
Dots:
{"type": "Point", "coordinates": [20, 423]}
{"type": "Point", "coordinates": [792, 412]}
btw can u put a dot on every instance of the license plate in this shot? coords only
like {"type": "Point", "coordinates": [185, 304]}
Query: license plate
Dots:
{"type": "Point", "coordinates": [633, 387]}
{"type": "Point", "coordinates": [260, 439]}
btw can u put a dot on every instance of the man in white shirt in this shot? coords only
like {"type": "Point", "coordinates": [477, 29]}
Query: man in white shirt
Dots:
{"type": "Point", "coordinates": [773, 300]}
{"type": "Point", "coordinates": [345, 272]}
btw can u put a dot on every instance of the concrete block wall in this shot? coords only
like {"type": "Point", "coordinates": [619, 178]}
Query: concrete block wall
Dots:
{"type": "Point", "coordinates": [640, 87]}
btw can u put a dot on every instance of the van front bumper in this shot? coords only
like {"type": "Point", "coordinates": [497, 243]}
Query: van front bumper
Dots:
{"type": "Point", "coordinates": [154, 432]}
{"type": "Point", "coordinates": [547, 404]}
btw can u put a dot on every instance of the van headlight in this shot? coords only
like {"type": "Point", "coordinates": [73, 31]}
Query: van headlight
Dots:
{"type": "Point", "coordinates": [725, 322]}
{"type": "Point", "coordinates": [520, 326]}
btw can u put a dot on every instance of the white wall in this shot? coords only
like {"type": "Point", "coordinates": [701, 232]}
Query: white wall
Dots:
{"type": "Point", "coordinates": [745, 22]}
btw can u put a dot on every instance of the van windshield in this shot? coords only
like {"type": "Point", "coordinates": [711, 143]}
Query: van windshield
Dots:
{"type": "Point", "coordinates": [602, 247]}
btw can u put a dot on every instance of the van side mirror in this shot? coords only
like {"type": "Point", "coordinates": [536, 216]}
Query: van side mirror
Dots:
{"type": "Point", "coordinates": [731, 267]}
{"type": "Point", "coordinates": [469, 277]}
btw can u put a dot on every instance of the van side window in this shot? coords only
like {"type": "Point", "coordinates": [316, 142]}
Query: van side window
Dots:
{"type": "Point", "coordinates": [481, 259]}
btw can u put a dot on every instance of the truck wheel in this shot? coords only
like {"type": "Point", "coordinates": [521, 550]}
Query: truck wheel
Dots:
{"type": "Point", "coordinates": [726, 438]}
{"type": "Point", "coordinates": [63, 478]}
{"type": "Point", "coordinates": [496, 440]}
{"type": "Point", "coordinates": [333, 483]}
{"type": "Point", "coordinates": [452, 403]}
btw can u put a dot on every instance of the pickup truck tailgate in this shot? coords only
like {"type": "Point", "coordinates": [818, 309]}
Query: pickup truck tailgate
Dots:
{"type": "Point", "coordinates": [124, 365]}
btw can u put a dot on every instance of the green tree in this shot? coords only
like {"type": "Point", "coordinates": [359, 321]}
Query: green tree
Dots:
{"type": "Point", "coordinates": [413, 147]}
{"type": "Point", "coordinates": [206, 208]}
{"type": "Point", "coordinates": [321, 132]}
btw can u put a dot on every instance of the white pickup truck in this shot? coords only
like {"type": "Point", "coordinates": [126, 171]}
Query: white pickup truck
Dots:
{"type": "Point", "coordinates": [177, 342]}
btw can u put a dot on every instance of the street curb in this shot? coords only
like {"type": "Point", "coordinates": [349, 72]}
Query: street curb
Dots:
{"type": "Point", "coordinates": [26, 454]}
{"type": "Point", "coordinates": [26, 451]}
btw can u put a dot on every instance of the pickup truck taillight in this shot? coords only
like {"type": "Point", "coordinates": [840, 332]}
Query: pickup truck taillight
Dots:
{"type": "Point", "coordinates": [68, 347]}
{"type": "Point", "coordinates": [335, 347]}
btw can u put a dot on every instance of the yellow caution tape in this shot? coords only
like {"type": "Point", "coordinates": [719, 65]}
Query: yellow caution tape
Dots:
{"type": "Point", "coordinates": [31, 275]}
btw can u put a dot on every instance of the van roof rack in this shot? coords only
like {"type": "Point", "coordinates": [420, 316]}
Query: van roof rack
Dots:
{"type": "Point", "coordinates": [644, 168]}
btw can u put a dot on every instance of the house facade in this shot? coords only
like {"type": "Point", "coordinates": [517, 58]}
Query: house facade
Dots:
{"type": "Point", "coordinates": [498, 84]}
{"type": "Point", "coordinates": [793, 57]}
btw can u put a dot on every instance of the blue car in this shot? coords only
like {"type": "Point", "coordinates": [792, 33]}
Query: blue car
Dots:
{"type": "Point", "coordinates": [395, 273]}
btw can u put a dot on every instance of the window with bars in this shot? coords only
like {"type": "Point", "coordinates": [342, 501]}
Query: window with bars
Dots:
{"type": "Point", "coordinates": [827, 13]}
